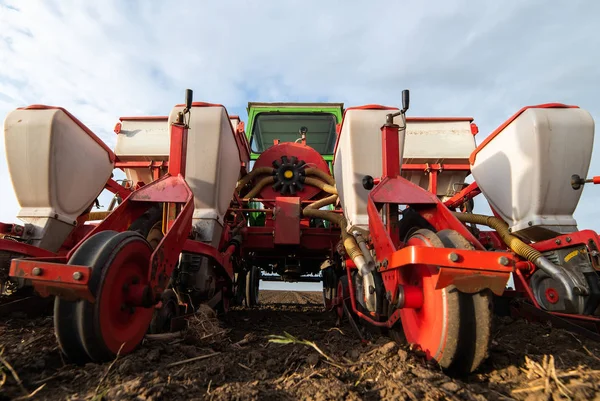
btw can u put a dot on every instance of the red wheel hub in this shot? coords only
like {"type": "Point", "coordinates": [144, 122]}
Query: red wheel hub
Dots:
{"type": "Point", "coordinates": [122, 321]}
{"type": "Point", "coordinates": [552, 295]}
{"type": "Point", "coordinates": [426, 325]}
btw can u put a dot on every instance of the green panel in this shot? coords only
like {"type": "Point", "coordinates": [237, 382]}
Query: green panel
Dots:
{"type": "Point", "coordinates": [253, 112]}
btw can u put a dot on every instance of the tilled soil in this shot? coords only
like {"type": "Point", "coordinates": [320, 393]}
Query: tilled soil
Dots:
{"type": "Point", "coordinates": [236, 361]}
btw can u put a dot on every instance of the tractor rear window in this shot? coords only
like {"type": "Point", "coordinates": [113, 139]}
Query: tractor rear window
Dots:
{"type": "Point", "coordinates": [287, 127]}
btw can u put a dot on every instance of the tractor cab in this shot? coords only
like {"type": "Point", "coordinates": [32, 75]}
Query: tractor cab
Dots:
{"type": "Point", "coordinates": [311, 124]}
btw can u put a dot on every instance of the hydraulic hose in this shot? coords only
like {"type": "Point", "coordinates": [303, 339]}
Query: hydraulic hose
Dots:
{"type": "Point", "coordinates": [321, 174]}
{"type": "Point", "coordinates": [259, 186]}
{"type": "Point", "coordinates": [330, 200]}
{"type": "Point", "coordinates": [524, 250]}
{"type": "Point", "coordinates": [250, 176]}
{"type": "Point", "coordinates": [517, 246]}
{"type": "Point", "coordinates": [321, 185]}
{"type": "Point", "coordinates": [93, 216]}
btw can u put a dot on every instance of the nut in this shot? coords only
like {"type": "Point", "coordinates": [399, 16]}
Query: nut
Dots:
{"type": "Point", "coordinates": [453, 257]}
{"type": "Point", "coordinates": [36, 271]}
{"type": "Point", "coordinates": [503, 260]}
{"type": "Point", "coordinates": [77, 276]}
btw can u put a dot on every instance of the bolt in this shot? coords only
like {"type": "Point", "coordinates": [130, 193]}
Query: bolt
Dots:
{"type": "Point", "coordinates": [568, 239]}
{"type": "Point", "coordinates": [557, 242]}
{"type": "Point", "coordinates": [77, 276]}
{"type": "Point", "coordinates": [453, 257]}
{"type": "Point", "coordinates": [36, 271]}
{"type": "Point", "coordinates": [530, 223]}
{"type": "Point", "coordinates": [385, 263]}
{"type": "Point", "coordinates": [503, 260]}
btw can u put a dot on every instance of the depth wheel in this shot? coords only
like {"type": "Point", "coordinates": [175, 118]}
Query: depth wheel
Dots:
{"type": "Point", "coordinates": [252, 286]}
{"type": "Point", "coordinates": [65, 312]}
{"type": "Point", "coordinates": [451, 327]}
{"type": "Point", "coordinates": [343, 296]}
{"type": "Point", "coordinates": [113, 324]}
{"type": "Point", "coordinates": [330, 287]}
{"type": "Point", "coordinates": [477, 312]}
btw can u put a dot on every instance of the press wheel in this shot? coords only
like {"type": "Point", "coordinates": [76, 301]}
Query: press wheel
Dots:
{"type": "Point", "coordinates": [65, 312]}
{"type": "Point", "coordinates": [343, 296]}
{"type": "Point", "coordinates": [119, 263]}
{"type": "Point", "coordinates": [330, 285]}
{"type": "Point", "coordinates": [451, 327]}
{"type": "Point", "coordinates": [252, 286]}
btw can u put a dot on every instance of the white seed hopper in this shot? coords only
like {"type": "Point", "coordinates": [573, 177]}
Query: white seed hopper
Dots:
{"type": "Point", "coordinates": [58, 167]}
{"type": "Point", "coordinates": [524, 168]}
{"type": "Point", "coordinates": [427, 140]}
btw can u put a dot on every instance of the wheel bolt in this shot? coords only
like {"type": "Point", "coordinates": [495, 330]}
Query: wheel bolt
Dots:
{"type": "Point", "coordinates": [77, 276]}
{"type": "Point", "coordinates": [36, 271]}
{"type": "Point", "coordinates": [453, 257]}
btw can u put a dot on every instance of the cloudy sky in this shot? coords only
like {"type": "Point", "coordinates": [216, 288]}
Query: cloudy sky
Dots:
{"type": "Point", "coordinates": [104, 59]}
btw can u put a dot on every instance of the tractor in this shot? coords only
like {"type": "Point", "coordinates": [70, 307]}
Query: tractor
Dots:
{"type": "Point", "coordinates": [370, 201]}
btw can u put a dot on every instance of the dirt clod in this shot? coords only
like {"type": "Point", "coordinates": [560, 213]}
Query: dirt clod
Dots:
{"type": "Point", "coordinates": [387, 348]}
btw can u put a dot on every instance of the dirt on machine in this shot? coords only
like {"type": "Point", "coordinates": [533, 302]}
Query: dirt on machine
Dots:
{"type": "Point", "coordinates": [373, 203]}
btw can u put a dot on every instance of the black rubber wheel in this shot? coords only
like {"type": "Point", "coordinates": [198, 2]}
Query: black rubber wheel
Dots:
{"type": "Point", "coordinates": [147, 222]}
{"type": "Point", "coordinates": [329, 277]}
{"type": "Point", "coordinates": [106, 328]}
{"type": "Point", "coordinates": [65, 312]}
{"type": "Point", "coordinates": [252, 286]}
{"type": "Point", "coordinates": [110, 326]}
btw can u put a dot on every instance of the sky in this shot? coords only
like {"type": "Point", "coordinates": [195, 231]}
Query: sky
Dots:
{"type": "Point", "coordinates": [105, 59]}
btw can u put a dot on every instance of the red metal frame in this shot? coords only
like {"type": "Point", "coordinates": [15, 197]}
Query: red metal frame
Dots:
{"type": "Point", "coordinates": [24, 249]}
{"type": "Point", "coordinates": [469, 270]}
{"type": "Point", "coordinates": [171, 190]}
{"type": "Point", "coordinates": [286, 216]}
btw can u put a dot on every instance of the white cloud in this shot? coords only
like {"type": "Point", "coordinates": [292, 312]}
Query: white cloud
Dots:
{"type": "Point", "coordinates": [104, 59]}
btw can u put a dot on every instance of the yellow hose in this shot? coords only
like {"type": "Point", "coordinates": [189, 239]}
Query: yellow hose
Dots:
{"type": "Point", "coordinates": [348, 240]}
{"type": "Point", "coordinates": [248, 177]}
{"type": "Point", "coordinates": [321, 185]}
{"type": "Point", "coordinates": [259, 186]}
{"type": "Point", "coordinates": [311, 210]}
{"type": "Point", "coordinates": [94, 216]}
{"type": "Point", "coordinates": [330, 200]}
{"type": "Point", "coordinates": [518, 246]}
{"type": "Point", "coordinates": [321, 174]}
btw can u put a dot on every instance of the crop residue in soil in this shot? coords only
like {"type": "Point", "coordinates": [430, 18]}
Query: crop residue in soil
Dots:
{"type": "Point", "coordinates": [232, 358]}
